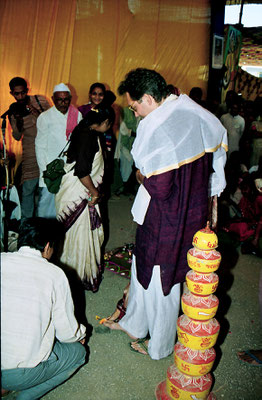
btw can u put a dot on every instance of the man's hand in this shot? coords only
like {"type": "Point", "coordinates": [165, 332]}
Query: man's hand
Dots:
{"type": "Point", "coordinates": [139, 177]}
{"type": "Point", "coordinates": [82, 341]}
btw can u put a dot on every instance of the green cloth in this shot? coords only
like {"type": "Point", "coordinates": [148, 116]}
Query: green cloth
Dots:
{"type": "Point", "coordinates": [129, 119]}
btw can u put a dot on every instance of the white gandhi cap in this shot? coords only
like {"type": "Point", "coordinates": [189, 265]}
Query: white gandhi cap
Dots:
{"type": "Point", "coordinates": [61, 88]}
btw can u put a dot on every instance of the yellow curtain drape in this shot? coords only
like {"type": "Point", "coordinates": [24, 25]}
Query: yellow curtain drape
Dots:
{"type": "Point", "coordinates": [79, 42]}
{"type": "Point", "coordinates": [36, 43]}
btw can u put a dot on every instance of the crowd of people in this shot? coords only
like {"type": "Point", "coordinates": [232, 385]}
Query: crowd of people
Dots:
{"type": "Point", "coordinates": [171, 152]}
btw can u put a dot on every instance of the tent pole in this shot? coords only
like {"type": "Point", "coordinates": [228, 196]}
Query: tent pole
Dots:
{"type": "Point", "coordinates": [241, 12]}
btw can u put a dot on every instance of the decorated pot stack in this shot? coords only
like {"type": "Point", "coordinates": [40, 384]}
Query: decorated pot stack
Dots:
{"type": "Point", "coordinates": [197, 329]}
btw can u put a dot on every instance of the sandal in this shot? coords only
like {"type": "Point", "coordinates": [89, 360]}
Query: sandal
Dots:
{"type": "Point", "coordinates": [141, 345]}
{"type": "Point", "coordinates": [250, 357]}
{"type": "Point", "coordinates": [119, 312]}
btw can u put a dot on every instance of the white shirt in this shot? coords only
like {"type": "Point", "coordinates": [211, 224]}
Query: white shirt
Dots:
{"type": "Point", "coordinates": [235, 127]}
{"type": "Point", "coordinates": [51, 137]}
{"type": "Point", "coordinates": [36, 307]}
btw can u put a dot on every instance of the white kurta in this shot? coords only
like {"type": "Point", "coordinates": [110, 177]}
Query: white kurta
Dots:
{"type": "Point", "coordinates": [51, 138]}
{"type": "Point", "coordinates": [36, 307]}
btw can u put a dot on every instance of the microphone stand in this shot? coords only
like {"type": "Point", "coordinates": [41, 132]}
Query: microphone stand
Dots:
{"type": "Point", "coordinates": [5, 189]}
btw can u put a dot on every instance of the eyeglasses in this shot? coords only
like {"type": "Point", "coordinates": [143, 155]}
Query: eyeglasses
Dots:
{"type": "Point", "coordinates": [132, 108]}
{"type": "Point", "coordinates": [65, 100]}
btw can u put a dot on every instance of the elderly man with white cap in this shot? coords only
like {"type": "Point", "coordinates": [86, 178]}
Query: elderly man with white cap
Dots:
{"type": "Point", "coordinates": [53, 132]}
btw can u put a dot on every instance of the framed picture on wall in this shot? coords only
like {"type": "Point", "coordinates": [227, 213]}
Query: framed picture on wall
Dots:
{"type": "Point", "coordinates": [217, 52]}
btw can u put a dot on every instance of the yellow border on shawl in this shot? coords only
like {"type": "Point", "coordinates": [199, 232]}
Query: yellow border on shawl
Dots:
{"type": "Point", "coordinates": [187, 161]}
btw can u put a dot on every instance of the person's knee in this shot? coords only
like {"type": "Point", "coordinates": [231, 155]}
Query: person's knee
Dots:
{"type": "Point", "coordinates": [79, 353]}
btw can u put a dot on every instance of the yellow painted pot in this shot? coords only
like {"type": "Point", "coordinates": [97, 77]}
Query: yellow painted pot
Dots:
{"type": "Point", "coordinates": [205, 239]}
{"type": "Point", "coordinates": [199, 307]}
{"type": "Point", "coordinates": [193, 362]}
{"type": "Point", "coordinates": [161, 393]}
{"type": "Point", "coordinates": [203, 261]}
{"type": "Point", "coordinates": [184, 387]}
{"type": "Point", "coordinates": [203, 284]}
{"type": "Point", "coordinates": [198, 335]}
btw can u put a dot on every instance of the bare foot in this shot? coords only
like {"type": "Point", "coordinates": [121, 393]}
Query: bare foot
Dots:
{"type": "Point", "coordinates": [140, 346]}
{"type": "Point", "coordinates": [253, 357]}
{"type": "Point", "coordinates": [114, 316]}
{"type": "Point", "coordinates": [115, 326]}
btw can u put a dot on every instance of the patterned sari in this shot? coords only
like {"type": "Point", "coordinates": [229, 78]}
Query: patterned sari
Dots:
{"type": "Point", "coordinates": [83, 226]}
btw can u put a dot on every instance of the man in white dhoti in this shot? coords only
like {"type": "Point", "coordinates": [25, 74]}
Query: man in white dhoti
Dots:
{"type": "Point", "coordinates": [180, 152]}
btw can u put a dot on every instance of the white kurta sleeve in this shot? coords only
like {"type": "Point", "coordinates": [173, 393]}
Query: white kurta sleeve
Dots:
{"type": "Point", "coordinates": [67, 329]}
{"type": "Point", "coordinates": [41, 145]}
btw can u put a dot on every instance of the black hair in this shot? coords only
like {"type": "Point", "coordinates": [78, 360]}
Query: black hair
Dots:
{"type": "Point", "coordinates": [99, 85]}
{"type": "Point", "coordinates": [109, 98]}
{"type": "Point", "coordinates": [196, 92]}
{"type": "Point", "coordinates": [171, 89]}
{"type": "Point", "coordinates": [37, 232]}
{"type": "Point", "coordinates": [99, 114]}
{"type": "Point", "coordinates": [140, 81]}
{"type": "Point", "coordinates": [17, 81]}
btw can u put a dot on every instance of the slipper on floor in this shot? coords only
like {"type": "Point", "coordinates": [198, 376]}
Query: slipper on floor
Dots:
{"type": "Point", "coordinates": [141, 345]}
{"type": "Point", "coordinates": [252, 356]}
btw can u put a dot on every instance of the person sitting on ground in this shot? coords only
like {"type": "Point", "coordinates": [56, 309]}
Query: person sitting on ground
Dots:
{"type": "Point", "coordinates": [42, 344]}
{"type": "Point", "coordinates": [96, 95]}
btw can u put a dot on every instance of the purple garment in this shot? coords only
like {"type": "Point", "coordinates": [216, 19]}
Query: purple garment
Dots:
{"type": "Point", "coordinates": [84, 109]}
{"type": "Point", "coordinates": [178, 209]}
{"type": "Point", "coordinates": [70, 217]}
{"type": "Point", "coordinates": [95, 220]}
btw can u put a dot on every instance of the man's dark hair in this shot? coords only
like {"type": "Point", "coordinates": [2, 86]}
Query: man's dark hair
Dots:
{"type": "Point", "coordinates": [140, 81]}
{"type": "Point", "coordinates": [37, 232]}
{"type": "Point", "coordinates": [17, 81]}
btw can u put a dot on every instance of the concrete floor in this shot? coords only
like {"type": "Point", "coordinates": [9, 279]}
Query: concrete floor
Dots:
{"type": "Point", "coordinates": [115, 373]}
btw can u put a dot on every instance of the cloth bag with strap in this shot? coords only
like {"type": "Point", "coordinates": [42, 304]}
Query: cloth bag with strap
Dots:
{"type": "Point", "coordinates": [55, 169]}
{"type": "Point", "coordinates": [54, 173]}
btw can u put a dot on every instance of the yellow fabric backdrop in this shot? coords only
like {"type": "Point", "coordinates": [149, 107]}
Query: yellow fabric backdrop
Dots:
{"type": "Point", "coordinates": [83, 41]}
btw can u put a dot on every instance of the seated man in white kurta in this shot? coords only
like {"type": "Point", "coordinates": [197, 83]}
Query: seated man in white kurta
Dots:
{"type": "Point", "coordinates": [41, 340]}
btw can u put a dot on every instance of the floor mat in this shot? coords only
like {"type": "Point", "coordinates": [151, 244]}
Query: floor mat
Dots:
{"type": "Point", "coordinates": [119, 260]}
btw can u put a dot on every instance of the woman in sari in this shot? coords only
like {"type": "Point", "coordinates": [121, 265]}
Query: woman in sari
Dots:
{"type": "Point", "coordinates": [96, 96]}
{"type": "Point", "coordinates": [77, 200]}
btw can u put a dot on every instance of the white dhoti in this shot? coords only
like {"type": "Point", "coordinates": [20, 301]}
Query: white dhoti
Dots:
{"type": "Point", "coordinates": [149, 311]}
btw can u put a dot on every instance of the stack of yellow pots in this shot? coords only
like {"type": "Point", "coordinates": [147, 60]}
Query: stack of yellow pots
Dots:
{"type": "Point", "coordinates": [197, 329]}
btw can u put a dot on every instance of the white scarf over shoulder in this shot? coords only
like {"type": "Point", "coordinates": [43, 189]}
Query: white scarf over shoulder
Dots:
{"type": "Point", "coordinates": [179, 132]}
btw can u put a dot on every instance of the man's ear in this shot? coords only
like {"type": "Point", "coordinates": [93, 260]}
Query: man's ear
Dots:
{"type": "Point", "coordinates": [45, 253]}
{"type": "Point", "coordinates": [149, 99]}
